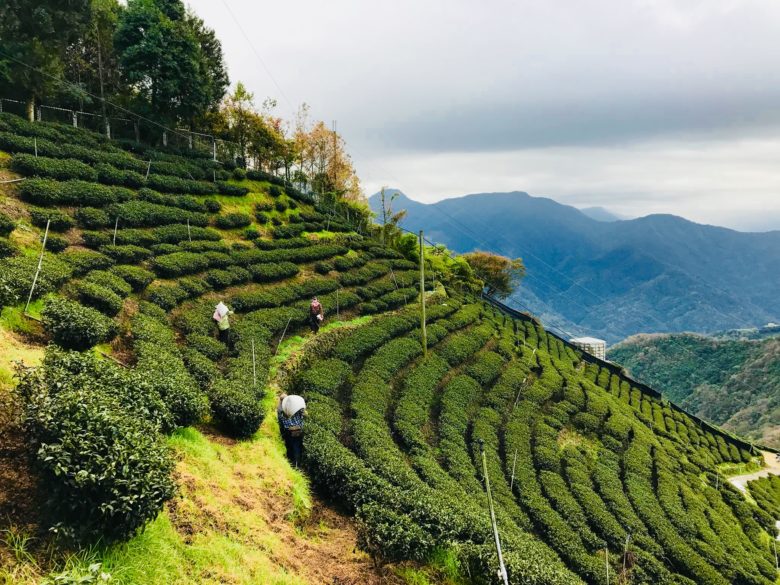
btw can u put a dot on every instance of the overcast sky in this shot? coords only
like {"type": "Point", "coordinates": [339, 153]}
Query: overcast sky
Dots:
{"type": "Point", "coordinates": [641, 106]}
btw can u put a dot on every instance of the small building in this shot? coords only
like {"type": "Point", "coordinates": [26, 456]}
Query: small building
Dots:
{"type": "Point", "coordinates": [595, 347]}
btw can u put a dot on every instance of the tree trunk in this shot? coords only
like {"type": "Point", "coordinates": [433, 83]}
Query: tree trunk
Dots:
{"type": "Point", "coordinates": [31, 108]}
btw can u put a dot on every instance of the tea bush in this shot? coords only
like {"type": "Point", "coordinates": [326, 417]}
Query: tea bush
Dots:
{"type": "Point", "coordinates": [100, 297]}
{"type": "Point", "coordinates": [60, 169]}
{"type": "Point", "coordinates": [59, 220]}
{"type": "Point", "coordinates": [74, 326]}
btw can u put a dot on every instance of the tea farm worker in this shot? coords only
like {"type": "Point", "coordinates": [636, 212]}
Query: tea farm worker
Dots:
{"type": "Point", "coordinates": [316, 315]}
{"type": "Point", "coordinates": [221, 313]}
{"type": "Point", "coordinates": [290, 413]}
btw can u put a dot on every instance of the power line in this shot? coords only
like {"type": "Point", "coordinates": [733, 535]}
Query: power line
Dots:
{"type": "Point", "coordinates": [259, 57]}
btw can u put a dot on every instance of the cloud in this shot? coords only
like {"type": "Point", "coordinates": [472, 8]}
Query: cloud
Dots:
{"type": "Point", "coordinates": [657, 100]}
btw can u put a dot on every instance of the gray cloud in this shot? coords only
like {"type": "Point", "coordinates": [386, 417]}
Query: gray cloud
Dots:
{"type": "Point", "coordinates": [662, 102]}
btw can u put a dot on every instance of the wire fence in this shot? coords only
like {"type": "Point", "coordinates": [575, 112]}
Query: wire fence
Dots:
{"type": "Point", "coordinates": [128, 127]}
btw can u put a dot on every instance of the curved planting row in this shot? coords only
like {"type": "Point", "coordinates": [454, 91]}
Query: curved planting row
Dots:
{"type": "Point", "coordinates": [589, 475]}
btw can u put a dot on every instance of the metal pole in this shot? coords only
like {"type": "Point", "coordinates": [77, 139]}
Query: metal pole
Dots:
{"type": "Point", "coordinates": [512, 481]}
{"type": "Point", "coordinates": [214, 148]}
{"type": "Point", "coordinates": [422, 297]}
{"type": "Point", "coordinates": [148, 169]}
{"type": "Point", "coordinates": [38, 270]}
{"type": "Point", "coordinates": [35, 144]}
{"type": "Point", "coordinates": [625, 553]}
{"type": "Point", "coordinates": [116, 226]}
{"type": "Point", "coordinates": [501, 568]}
{"type": "Point", "coordinates": [606, 561]}
{"type": "Point", "coordinates": [254, 366]}
{"type": "Point", "coordinates": [282, 337]}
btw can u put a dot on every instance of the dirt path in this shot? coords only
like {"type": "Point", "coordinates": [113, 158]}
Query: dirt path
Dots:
{"type": "Point", "coordinates": [771, 467]}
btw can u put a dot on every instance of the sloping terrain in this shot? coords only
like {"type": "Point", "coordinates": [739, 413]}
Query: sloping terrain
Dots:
{"type": "Point", "coordinates": [578, 459]}
{"type": "Point", "coordinates": [658, 273]}
{"type": "Point", "coordinates": [734, 383]}
{"type": "Point", "coordinates": [143, 244]}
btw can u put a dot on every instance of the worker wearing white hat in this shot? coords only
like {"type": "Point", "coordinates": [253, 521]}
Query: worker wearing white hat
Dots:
{"type": "Point", "coordinates": [290, 414]}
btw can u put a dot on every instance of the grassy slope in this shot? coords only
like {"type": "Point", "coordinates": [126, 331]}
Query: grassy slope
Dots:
{"type": "Point", "coordinates": [734, 383]}
{"type": "Point", "coordinates": [243, 516]}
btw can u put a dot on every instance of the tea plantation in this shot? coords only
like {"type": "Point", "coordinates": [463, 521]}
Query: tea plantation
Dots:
{"type": "Point", "coordinates": [595, 479]}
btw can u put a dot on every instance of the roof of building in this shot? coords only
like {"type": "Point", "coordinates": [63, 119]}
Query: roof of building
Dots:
{"type": "Point", "coordinates": [591, 340]}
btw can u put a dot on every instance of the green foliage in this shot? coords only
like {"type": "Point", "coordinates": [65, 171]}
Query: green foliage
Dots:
{"type": "Point", "coordinates": [7, 225]}
{"type": "Point", "coordinates": [74, 326]}
{"type": "Point", "coordinates": [145, 214]}
{"type": "Point", "coordinates": [111, 281]}
{"type": "Point", "coordinates": [56, 243]}
{"type": "Point", "coordinates": [106, 469]}
{"type": "Point", "coordinates": [60, 221]}
{"type": "Point", "coordinates": [138, 278]}
{"type": "Point", "coordinates": [324, 377]}
{"type": "Point", "coordinates": [17, 273]}
{"type": "Point", "coordinates": [92, 218]}
{"type": "Point", "coordinates": [76, 192]}
{"type": "Point", "coordinates": [237, 409]}
{"type": "Point", "coordinates": [233, 221]}
{"type": "Point", "coordinates": [59, 169]}
{"type": "Point", "coordinates": [100, 297]}
{"type": "Point", "coordinates": [126, 254]}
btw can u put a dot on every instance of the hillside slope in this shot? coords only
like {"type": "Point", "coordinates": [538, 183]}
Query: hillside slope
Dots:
{"type": "Point", "coordinates": [613, 279]}
{"type": "Point", "coordinates": [734, 383]}
{"type": "Point", "coordinates": [579, 457]}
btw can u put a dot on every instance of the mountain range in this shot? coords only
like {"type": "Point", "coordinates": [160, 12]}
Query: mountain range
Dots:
{"type": "Point", "coordinates": [612, 279]}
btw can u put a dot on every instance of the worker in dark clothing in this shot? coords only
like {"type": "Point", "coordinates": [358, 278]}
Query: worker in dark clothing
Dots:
{"type": "Point", "coordinates": [290, 413]}
{"type": "Point", "coordinates": [316, 315]}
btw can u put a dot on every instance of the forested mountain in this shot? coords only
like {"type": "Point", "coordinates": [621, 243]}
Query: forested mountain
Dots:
{"type": "Point", "coordinates": [735, 383]}
{"type": "Point", "coordinates": [658, 273]}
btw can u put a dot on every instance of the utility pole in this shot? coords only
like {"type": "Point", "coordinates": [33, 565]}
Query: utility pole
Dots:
{"type": "Point", "coordinates": [422, 296]}
{"type": "Point", "coordinates": [501, 568]}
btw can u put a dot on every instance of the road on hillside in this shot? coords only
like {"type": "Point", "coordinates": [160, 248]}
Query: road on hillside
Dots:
{"type": "Point", "coordinates": [771, 467]}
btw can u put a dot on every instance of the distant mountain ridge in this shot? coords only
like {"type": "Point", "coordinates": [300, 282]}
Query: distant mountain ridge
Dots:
{"type": "Point", "coordinates": [600, 214]}
{"type": "Point", "coordinates": [659, 273]}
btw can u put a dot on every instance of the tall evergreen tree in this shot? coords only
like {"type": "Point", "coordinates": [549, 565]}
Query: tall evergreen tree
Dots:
{"type": "Point", "coordinates": [38, 34]}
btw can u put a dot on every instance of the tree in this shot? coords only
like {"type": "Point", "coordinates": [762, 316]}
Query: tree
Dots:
{"type": "Point", "coordinates": [390, 220]}
{"type": "Point", "coordinates": [172, 61]}
{"type": "Point", "coordinates": [499, 274]}
{"type": "Point", "coordinates": [34, 39]}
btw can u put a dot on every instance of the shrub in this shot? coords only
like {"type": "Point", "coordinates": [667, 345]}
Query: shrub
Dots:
{"type": "Point", "coordinates": [323, 267]}
{"type": "Point", "coordinates": [127, 254]}
{"type": "Point", "coordinates": [60, 169]}
{"type": "Point", "coordinates": [7, 248]}
{"type": "Point", "coordinates": [48, 192]}
{"type": "Point", "coordinates": [239, 174]}
{"type": "Point", "coordinates": [324, 377]}
{"type": "Point", "coordinates": [145, 214]}
{"type": "Point", "coordinates": [201, 368]}
{"type": "Point", "coordinates": [167, 296]}
{"type": "Point", "coordinates": [107, 471]}
{"type": "Point", "coordinates": [233, 221]}
{"type": "Point", "coordinates": [169, 184]}
{"type": "Point", "coordinates": [92, 218]}
{"type": "Point", "coordinates": [113, 176]}
{"type": "Point", "coordinates": [7, 225]}
{"type": "Point", "coordinates": [74, 326]}
{"type": "Point", "coordinates": [251, 233]}
{"type": "Point", "coordinates": [275, 191]}
{"type": "Point", "coordinates": [231, 190]}
{"type": "Point", "coordinates": [212, 205]}
{"type": "Point", "coordinates": [87, 260]}
{"type": "Point", "coordinates": [208, 346]}
{"type": "Point", "coordinates": [288, 231]}
{"type": "Point", "coordinates": [55, 243]}
{"type": "Point", "coordinates": [16, 276]}
{"type": "Point", "coordinates": [110, 281]}
{"type": "Point", "coordinates": [93, 239]}
{"type": "Point", "coordinates": [60, 221]}
{"type": "Point", "coordinates": [238, 411]}
{"type": "Point", "coordinates": [386, 534]}
{"type": "Point", "coordinates": [262, 218]}
{"type": "Point", "coordinates": [138, 278]}
{"type": "Point", "coordinates": [262, 206]}
{"type": "Point", "coordinates": [156, 348]}
{"type": "Point", "coordinates": [280, 204]}
{"type": "Point", "coordinates": [180, 263]}
{"type": "Point", "coordinates": [273, 272]}
{"type": "Point", "coordinates": [103, 299]}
